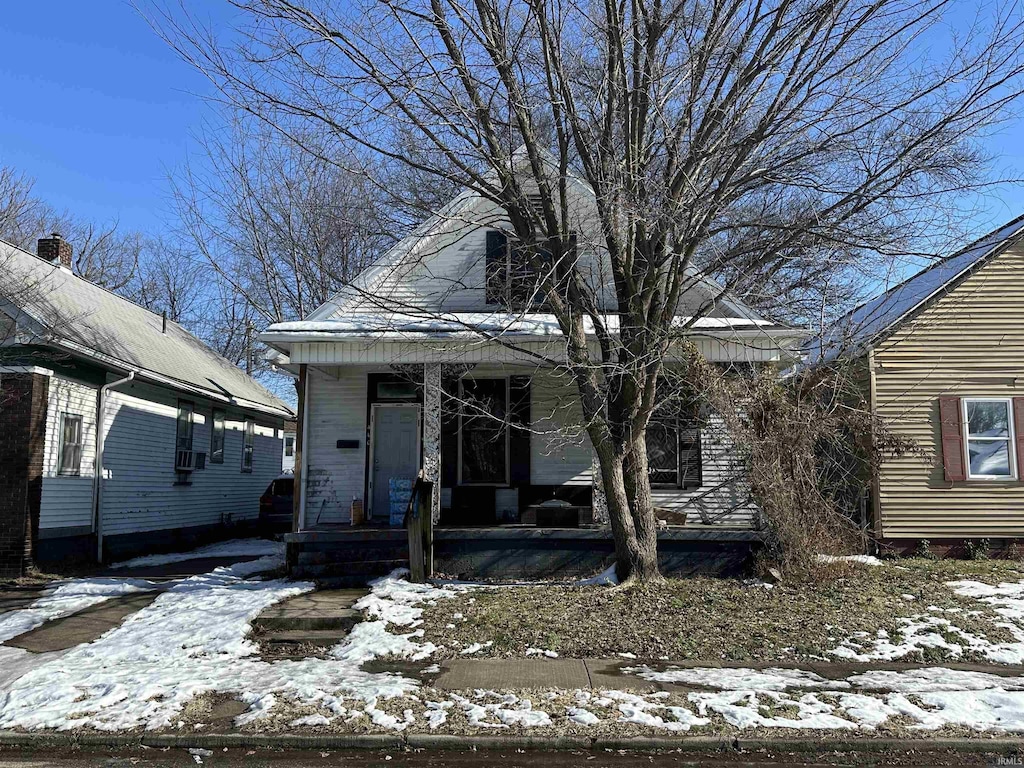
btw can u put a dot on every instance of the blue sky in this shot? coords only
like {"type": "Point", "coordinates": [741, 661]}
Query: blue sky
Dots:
{"type": "Point", "coordinates": [98, 109]}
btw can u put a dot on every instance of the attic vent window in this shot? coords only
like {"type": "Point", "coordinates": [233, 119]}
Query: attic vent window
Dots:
{"type": "Point", "coordinates": [510, 277]}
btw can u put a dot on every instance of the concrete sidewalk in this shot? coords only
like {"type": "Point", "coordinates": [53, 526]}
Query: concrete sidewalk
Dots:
{"type": "Point", "coordinates": [607, 674]}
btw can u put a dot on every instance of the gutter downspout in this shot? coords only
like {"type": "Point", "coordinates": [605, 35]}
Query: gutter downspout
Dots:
{"type": "Point", "coordinates": [97, 483]}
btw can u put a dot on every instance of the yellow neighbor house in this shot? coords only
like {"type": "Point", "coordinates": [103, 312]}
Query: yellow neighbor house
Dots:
{"type": "Point", "coordinates": [944, 357]}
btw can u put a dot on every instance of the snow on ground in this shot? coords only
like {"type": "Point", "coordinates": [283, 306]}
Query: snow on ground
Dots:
{"type": "Point", "coordinates": [862, 559]}
{"type": "Point", "coordinates": [931, 629]}
{"type": "Point", "coordinates": [232, 548]}
{"type": "Point", "coordinates": [193, 639]}
{"type": "Point", "coordinates": [67, 598]}
{"type": "Point", "coordinates": [979, 700]}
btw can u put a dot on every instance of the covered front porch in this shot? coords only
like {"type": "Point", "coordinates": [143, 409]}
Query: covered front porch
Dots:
{"type": "Point", "coordinates": [497, 430]}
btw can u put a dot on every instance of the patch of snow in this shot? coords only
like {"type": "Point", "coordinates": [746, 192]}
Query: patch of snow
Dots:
{"type": "Point", "coordinates": [232, 548]}
{"type": "Point", "coordinates": [260, 704]}
{"type": "Point", "coordinates": [743, 710]}
{"type": "Point", "coordinates": [582, 716]}
{"type": "Point", "coordinates": [626, 655]}
{"type": "Point", "coordinates": [509, 710]}
{"type": "Point", "coordinates": [923, 631]}
{"type": "Point", "coordinates": [67, 598]}
{"type": "Point", "coordinates": [607, 578]}
{"type": "Point", "coordinates": [311, 720]}
{"type": "Point", "coordinates": [934, 679]}
{"type": "Point", "coordinates": [437, 713]}
{"type": "Point", "coordinates": [541, 652]}
{"type": "Point", "coordinates": [193, 639]}
{"type": "Point", "coordinates": [862, 559]}
{"type": "Point", "coordinates": [738, 678]}
{"type": "Point", "coordinates": [636, 709]}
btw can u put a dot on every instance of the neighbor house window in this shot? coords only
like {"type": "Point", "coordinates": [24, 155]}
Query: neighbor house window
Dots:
{"type": "Point", "coordinates": [249, 442]}
{"type": "Point", "coordinates": [70, 462]}
{"type": "Point", "coordinates": [186, 421]}
{"type": "Point", "coordinates": [289, 446]}
{"type": "Point", "coordinates": [217, 437]}
{"type": "Point", "coordinates": [483, 432]}
{"type": "Point", "coordinates": [989, 443]}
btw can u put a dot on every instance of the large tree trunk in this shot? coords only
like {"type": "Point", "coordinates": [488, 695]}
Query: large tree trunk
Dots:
{"type": "Point", "coordinates": [631, 516]}
{"type": "Point", "coordinates": [637, 484]}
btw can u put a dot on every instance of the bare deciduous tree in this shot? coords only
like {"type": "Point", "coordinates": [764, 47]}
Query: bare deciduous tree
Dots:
{"type": "Point", "coordinates": [104, 253]}
{"type": "Point", "coordinates": [775, 147]}
{"type": "Point", "coordinates": [284, 228]}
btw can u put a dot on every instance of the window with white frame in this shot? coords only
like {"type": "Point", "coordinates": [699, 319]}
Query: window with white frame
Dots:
{"type": "Point", "coordinates": [249, 438]}
{"type": "Point", "coordinates": [289, 446]}
{"type": "Point", "coordinates": [217, 437]}
{"type": "Point", "coordinates": [989, 438]}
{"type": "Point", "coordinates": [70, 461]}
{"type": "Point", "coordinates": [186, 421]}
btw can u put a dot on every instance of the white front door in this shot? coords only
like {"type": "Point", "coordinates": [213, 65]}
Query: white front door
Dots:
{"type": "Point", "coordinates": [395, 451]}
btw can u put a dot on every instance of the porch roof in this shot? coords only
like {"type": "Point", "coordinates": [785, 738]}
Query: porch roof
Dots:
{"type": "Point", "coordinates": [480, 326]}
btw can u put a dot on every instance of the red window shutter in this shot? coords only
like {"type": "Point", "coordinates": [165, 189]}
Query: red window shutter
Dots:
{"type": "Point", "coordinates": [1018, 431]}
{"type": "Point", "coordinates": [952, 438]}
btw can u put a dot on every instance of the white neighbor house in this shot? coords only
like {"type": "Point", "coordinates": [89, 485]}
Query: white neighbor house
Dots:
{"type": "Point", "coordinates": [385, 363]}
{"type": "Point", "coordinates": [188, 442]}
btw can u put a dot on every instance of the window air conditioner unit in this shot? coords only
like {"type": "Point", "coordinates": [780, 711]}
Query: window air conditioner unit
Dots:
{"type": "Point", "coordinates": [184, 461]}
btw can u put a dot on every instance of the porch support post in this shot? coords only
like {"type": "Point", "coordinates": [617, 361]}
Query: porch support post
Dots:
{"type": "Point", "coordinates": [432, 434]}
{"type": "Point", "coordinates": [599, 501]}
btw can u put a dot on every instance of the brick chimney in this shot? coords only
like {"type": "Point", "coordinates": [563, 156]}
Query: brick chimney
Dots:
{"type": "Point", "coordinates": [55, 249]}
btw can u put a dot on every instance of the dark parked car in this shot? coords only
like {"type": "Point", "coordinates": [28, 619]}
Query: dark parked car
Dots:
{"type": "Point", "coordinates": [276, 505]}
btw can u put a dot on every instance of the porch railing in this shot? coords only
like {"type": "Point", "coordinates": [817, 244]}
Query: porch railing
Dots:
{"type": "Point", "coordinates": [420, 527]}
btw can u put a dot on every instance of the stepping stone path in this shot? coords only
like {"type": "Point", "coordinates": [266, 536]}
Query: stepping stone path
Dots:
{"type": "Point", "coordinates": [316, 620]}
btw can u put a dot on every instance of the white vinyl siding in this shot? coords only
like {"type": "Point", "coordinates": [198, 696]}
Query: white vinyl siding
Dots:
{"type": "Point", "coordinates": [337, 411]}
{"type": "Point", "coordinates": [139, 493]}
{"type": "Point", "coordinates": [66, 501]}
{"type": "Point", "coordinates": [560, 452]}
{"type": "Point", "coordinates": [724, 494]}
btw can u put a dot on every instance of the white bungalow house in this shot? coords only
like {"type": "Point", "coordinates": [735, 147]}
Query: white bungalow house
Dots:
{"type": "Point", "coordinates": [396, 368]}
{"type": "Point", "coordinates": [120, 432]}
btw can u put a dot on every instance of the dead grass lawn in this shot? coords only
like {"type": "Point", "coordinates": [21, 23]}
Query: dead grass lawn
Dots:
{"type": "Point", "coordinates": [712, 619]}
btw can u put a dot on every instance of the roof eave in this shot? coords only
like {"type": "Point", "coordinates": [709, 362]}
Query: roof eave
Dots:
{"type": "Point", "coordinates": [167, 381]}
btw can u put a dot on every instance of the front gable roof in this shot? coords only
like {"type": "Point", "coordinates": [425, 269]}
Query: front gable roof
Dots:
{"type": "Point", "coordinates": [399, 291]}
{"type": "Point", "coordinates": [878, 318]}
{"type": "Point", "coordinates": [68, 311]}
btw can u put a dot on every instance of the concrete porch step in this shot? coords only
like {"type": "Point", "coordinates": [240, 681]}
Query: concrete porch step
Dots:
{"type": "Point", "coordinates": [337, 621]}
{"type": "Point", "coordinates": [365, 569]}
{"type": "Point", "coordinates": [352, 554]}
{"type": "Point", "coordinates": [293, 637]}
{"type": "Point", "coordinates": [323, 610]}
